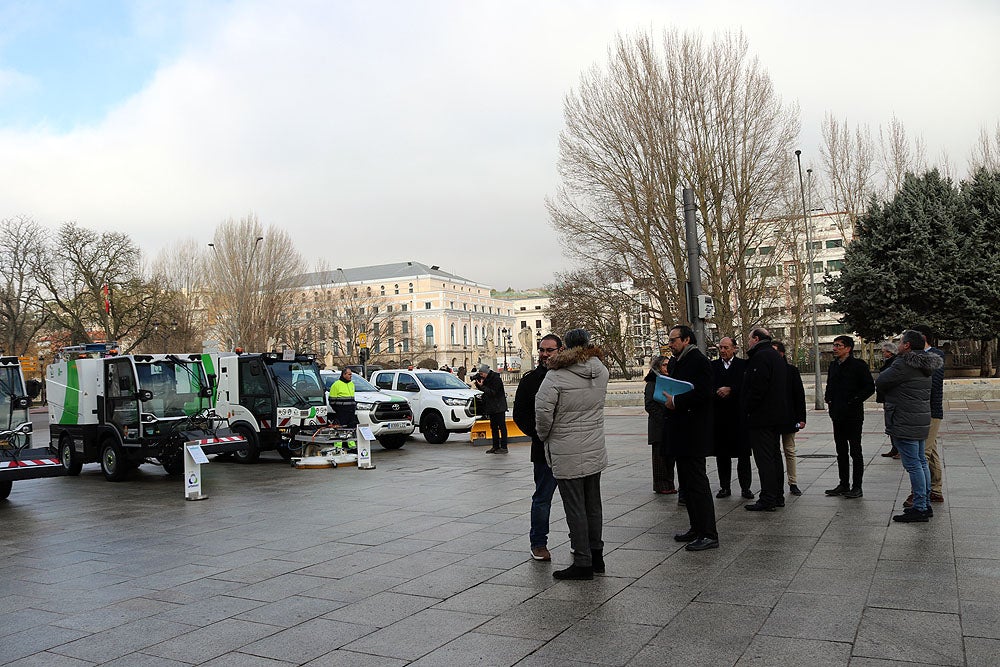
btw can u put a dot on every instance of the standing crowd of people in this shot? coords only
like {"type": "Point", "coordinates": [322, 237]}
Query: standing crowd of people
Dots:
{"type": "Point", "coordinates": [731, 408]}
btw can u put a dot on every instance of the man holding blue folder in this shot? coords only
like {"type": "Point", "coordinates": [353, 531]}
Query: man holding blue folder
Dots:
{"type": "Point", "coordinates": [688, 431]}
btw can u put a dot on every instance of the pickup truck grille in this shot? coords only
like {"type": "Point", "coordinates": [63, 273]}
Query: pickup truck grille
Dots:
{"type": "Point", "coordinates": [385, 412]}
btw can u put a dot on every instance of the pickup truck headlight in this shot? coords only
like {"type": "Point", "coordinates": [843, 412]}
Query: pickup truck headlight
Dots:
{"type": "Point", "coordinates": [448, 400]}
{"type": "Point", "coordinates": [364, 406]}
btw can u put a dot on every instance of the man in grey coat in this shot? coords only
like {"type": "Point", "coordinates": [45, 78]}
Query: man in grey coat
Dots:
{"type": "Point", "coordinates": [906, 390]}
{"type": "Point", "coordinates": [569, 419]}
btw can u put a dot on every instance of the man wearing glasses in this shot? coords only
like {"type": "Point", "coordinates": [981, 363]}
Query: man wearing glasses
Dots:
{"type": "Point", "coordinates": [524, 417]}
{"type": "Point", "coordinates": [848, 384]}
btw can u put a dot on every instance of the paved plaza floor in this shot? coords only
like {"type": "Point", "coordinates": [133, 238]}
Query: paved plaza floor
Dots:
{"type": "Point", "coordinates": [424, 561]}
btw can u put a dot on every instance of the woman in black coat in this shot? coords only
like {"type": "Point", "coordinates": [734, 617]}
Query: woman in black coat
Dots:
{"type": "Point", "coordinates": [663, 463]}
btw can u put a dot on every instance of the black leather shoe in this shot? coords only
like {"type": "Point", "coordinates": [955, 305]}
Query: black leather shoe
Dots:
{"type": "Point", "coordinates": [780, 502]}
{"type": "Point", "coordinates": [681, 500]}
{"type": "Point", "coordinates": [597, 560]}
{"type": "Point", "coordinates": [747, 493]}
{"type": "Point", "coordinates": [838, 490]}
{"type": "Point", "coordinates": [703, 543]}
{"type": "Point", "coordinates": [575, 573]}
{"type": "Point", "coordinates": [723, 493]}
{"type": "Point", "coordinates": [853, 493]}
{"type": "Point", "coordinates": [794, 490]}
{"type": "Point", "coordinates": [689, 536]}
{"type": "Point", "coordinates": [759, 507]}
{"type": "Point", "coordinates": [914, 516]}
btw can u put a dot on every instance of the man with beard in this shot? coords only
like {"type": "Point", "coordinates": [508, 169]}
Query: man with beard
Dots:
{"type": "Point", "coordinates": [688, 432]}
{"type": "Point", "coordinates": [524, 417]}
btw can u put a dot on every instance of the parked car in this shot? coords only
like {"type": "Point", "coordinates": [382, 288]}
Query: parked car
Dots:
{"type": "Point", "coordinates": [442, 404]}
{"type": "Point", "coordinates": [389, 417]}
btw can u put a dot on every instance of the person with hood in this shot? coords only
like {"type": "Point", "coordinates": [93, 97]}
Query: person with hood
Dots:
{"type": "Point", "coordinates": [663, 463]}
{"type": "Point", "coordinates": [906, 391]}
{"type": "Point", "coordinates": [494, 403]}
{"type": "Point", "coordinates": [524, 417]}
{"type": "Point", "coordinates": [569, 419]}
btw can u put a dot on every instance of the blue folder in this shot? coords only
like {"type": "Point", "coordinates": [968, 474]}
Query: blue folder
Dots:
{"type": "Point", "coordinates": [671, 386]}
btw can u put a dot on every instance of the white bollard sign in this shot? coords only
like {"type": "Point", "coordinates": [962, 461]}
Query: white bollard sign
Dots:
{"type": "Point", "coordinates": [193, 458]}
{"type": "Point", "coordinates": [365, 439]}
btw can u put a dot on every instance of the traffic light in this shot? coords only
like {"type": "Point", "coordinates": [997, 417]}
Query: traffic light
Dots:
{"type": "Point", "coordinates": [363, 355]}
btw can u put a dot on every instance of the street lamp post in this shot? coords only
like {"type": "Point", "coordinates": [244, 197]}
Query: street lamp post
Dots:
{"type": "Point", "coordinates": [812, 282]}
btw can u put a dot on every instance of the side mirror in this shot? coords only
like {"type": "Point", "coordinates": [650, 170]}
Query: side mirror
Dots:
{"type": "Point", "coordinates": [21, 402]}
{"type": "Point", "coordinates": [212, 378]}
{"type": "Point", "coordinates": [145, 395]}
{"type": "Point", "coordinates": [34, 387]}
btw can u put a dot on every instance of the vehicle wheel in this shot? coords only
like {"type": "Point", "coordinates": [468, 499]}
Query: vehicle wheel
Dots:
{"type": "Point", "coordinates": [5, 489]}
{"type": "Point", "coordinates": [432, 427]}
{"type": "Point", "coordinates": [285, 452]}
{"type": "Point", "coordinates": [251, 452]}
{"type": "Point", "coordinates": [392, 441]}
{"type": "Point", "coordinates": [113, 463]}
{"type": "Point", "coordinates": [173, 463]}
{"type": "Point", "coordinates": [71, 459]}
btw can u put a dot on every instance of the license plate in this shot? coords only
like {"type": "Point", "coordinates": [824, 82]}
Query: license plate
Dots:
{"type": "Point", "coordinates": [396, 426]}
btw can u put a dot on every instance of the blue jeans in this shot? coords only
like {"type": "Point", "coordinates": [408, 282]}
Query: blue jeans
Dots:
{"type": "Point", "coordinates": [541, 504]}
{"type": "Point", "coordinates": [911, 452]}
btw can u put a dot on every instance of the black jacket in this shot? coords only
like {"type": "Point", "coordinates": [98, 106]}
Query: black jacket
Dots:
{"type": "Point", "coordinates": [688, 427]}
{"type": "Point", "coordinates": [764, 399]}
{"type": "Point", "coordinates": [524, 409]}
{"type": "Point", "coordinates": [848, 384]}
{"type": "Point", "coordinates": [730, 436]}
{"type": "Point", "coordinates": [494, 398]}
{"type": "Point", "coordinates": [796, 399]}
{"type": "Point", "coordinates": [655, 409]}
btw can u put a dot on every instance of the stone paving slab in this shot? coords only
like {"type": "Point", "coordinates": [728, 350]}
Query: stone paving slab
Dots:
{"type": "Point", "coordinates": [424, 561]}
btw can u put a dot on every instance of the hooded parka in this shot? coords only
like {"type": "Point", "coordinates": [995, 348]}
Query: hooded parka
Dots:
{"type": "Point", "coordinates": [906, 390]}
{"type": "Point", "coordinates": [569, 413]}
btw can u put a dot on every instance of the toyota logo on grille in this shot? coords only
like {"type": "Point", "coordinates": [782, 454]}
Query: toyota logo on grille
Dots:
{"type": "Point", "coordinates": [395, 406]}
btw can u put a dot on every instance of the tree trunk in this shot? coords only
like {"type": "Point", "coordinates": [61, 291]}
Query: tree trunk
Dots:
{"type": "Point", "coordinates": [984, 358]}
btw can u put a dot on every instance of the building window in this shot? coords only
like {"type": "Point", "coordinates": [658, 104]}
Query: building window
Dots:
{"type": "Point", "coordinates": [388, 308]}
{"type": "Point", "coordinates": [406, 307]}
{"type": "Point", "coordinates": [390, 327]}
{"type": "Point", "coordinates": [453, 339]}
{"type": "Point", "coordinates": [538, 307]}
{"type": "Point", "coordinates": [404, 326]}
{"type": "Point", "coordinates": [835, 243]}
{"type": "Point", "coordinates": [429, 335]}
{"type": "Point", "coordinates": [395, 289]}
{"type": "Point", "coordinates": [465, 334]}
{"type": "Point", "coordinates": [427, 305]}
{"type": "Point", "coordinates": [523, 308]}
{"type": "Point", "coordinates": [381, 290]}
{"type": "Point", "coordinates": [766, 249]}
{"type": "Point", "coordinates": [475, 334]}
{"type": "Point", "coordinates": [411, 288]}
{"type": "Point", "coordinates": [406, 345]}
{"type": "Point", "coordinates": [524, 324]}
{"type": "Point", "coordinates": [538, 324]}
{"type": "Point", "coordinates": [835, 264]}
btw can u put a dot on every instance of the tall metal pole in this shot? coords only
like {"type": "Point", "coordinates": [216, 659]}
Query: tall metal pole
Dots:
{"type": "Point", "coordinates": [694, 266]}
{"type": "Point", "coordinates": [812, 282]}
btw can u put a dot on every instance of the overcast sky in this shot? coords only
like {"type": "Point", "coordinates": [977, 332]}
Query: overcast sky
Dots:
{"type": "Point", "coordinates": [390, 131]}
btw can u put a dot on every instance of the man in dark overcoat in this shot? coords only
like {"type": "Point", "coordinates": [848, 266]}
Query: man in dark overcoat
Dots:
{"type": "Point", "coordinates": [764, 402]}
{"type": "Point", "coordinates": [688, 432]}
{"type": "Point", "coordinates": [730, 437]}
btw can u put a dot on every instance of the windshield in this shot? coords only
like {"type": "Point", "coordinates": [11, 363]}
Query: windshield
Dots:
{"type": "Point", "coordinates": [441, 381]}
{"type": "Point", "coordinates": [299, 384]}
{"type": "Point", "coordinates": [361, 384]}
{"type": "Point", "coordinates": [176, 387]}
{"type": "Point", "coordinates": [10, 385]}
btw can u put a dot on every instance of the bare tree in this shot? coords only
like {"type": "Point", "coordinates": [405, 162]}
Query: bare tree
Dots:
{"type": "Point", "coordinates": [900, 155]}
{"type": "Point", "coordinates": [593, 301]}
{"type": "Point", "coordinates": [96, 282]}
{"type": "Point", "coordinates": [250, 273]}
{"type": "Point", "coordinates": [849, 159]}
{"type": "Point", "coordinates": [664, 116]}
{"type": "Point", "coordinates": [338, 312]}
{"type": "Point", "coordinates": [182, 269]}
{"type": "Point", "coordinates": [22, 309]}
{"type": "Point", "coordinates": [986, 153]}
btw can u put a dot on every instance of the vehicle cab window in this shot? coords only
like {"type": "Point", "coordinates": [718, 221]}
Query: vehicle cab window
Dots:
{"type": "Point", "coordinates": [407, 382]}
{"type": "Point", "coordinates": [383, 380]}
